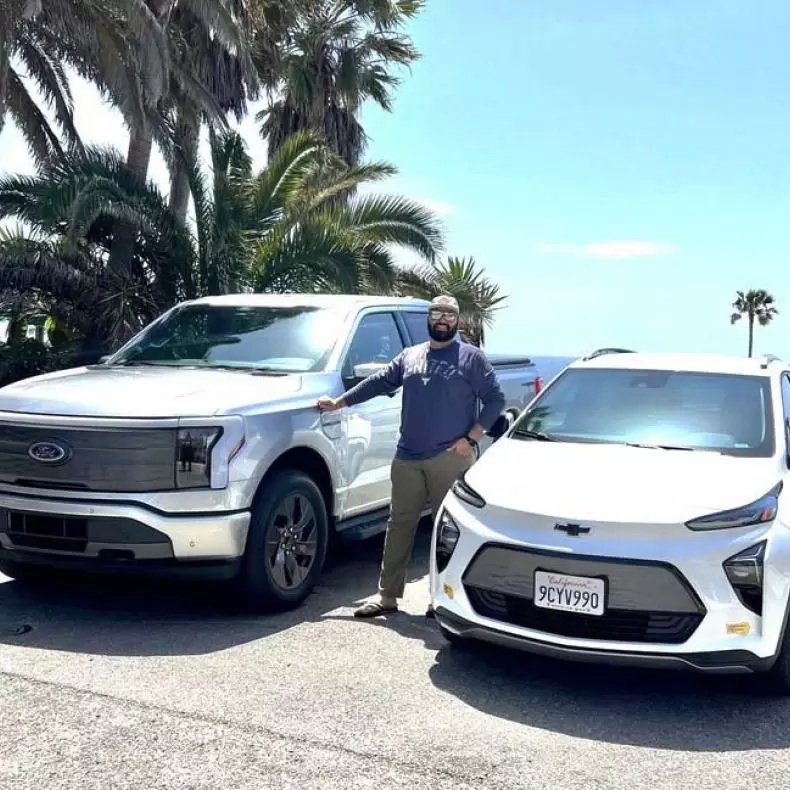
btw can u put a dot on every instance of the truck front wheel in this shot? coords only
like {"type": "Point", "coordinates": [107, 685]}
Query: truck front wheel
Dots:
{"type": "Point", "coordinates": [286, 545]}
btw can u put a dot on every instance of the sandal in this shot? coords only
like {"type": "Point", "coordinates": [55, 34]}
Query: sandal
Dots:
{"type": "Point", "coordinates": [374, 609]}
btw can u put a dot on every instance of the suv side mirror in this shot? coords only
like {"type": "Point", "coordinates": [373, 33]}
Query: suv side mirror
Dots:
{"type": "Point", "coordinates": [501, 426]}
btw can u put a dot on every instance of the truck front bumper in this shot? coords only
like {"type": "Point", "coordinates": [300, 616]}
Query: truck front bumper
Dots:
{"type": "Point", "coordinates": [119, 537]}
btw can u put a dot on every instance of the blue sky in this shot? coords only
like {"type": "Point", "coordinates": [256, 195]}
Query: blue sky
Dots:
{"type": "Point", "coordinates": [559, 130]}
{"type": "Point", "coordinates": [619, 167]}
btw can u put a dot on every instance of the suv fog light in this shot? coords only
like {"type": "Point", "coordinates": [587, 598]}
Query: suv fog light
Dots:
{"type": "Point", "coordinates": [446, 540]}
{"type": "Point", "coordinates": [745, 573]}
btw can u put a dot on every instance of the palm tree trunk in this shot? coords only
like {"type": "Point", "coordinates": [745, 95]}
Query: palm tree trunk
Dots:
{"type": "Point", "coordinates": [751, 333]}
{"type": "Point", "coordinates": [188, 135]}
{"type": "Point", "coordinates": [138, 158]}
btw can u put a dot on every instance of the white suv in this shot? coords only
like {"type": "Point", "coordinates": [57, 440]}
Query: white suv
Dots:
{"type": "Point", "coordinates": [634, 513]}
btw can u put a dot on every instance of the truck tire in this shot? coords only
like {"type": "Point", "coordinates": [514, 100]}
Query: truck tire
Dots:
{"type": "Point", "coordinates": [286, 545]}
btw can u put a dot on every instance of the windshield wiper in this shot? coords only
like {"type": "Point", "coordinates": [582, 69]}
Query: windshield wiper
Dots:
{"type": "Point", "coordinates": [648, 446]}
{"type": "Point", "coordinates": [537, 435]}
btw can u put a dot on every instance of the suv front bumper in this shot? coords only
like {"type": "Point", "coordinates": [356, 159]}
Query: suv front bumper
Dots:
{"type": "Point", "coordinates": [119, 537]}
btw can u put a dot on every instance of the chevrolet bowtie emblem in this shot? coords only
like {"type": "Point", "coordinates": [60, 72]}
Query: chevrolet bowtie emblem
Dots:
{"type": "Point", "coordinates": [574, 530]}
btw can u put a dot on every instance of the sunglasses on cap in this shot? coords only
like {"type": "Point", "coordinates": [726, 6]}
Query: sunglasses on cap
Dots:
{"type": "Point", "coordinates": [435, 313]}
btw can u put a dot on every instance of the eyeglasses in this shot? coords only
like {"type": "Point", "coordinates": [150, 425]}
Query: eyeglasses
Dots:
{"type": "Point", "coordinates": [435, 315]}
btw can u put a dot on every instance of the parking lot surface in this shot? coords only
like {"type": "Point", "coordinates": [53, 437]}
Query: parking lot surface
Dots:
{"type": "Point", "coordinates": [141, 685]}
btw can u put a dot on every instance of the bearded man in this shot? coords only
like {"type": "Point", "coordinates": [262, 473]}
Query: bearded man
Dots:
{"type": "Point", "coordinates": [444, 384]}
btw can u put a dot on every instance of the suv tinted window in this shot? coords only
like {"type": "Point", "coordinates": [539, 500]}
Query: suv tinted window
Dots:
{"type": "Point", "coordinates": [704, 411]}
{"type": "Point", "coordinates": [376, 339]}
{"type": "Point", "coordinates": [417, 324]}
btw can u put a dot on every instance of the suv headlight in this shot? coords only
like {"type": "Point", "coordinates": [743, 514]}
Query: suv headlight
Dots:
{"type": "Point", "coordinates": [467, 494]}
{"type": "Point", "coordinates": [745, 573]}
{"type": "Point", "coordinates": [446, 540]}
{"type": "Point", "coordinates": [193, 456]}
{"type": "Point", "coordinates": [761, 511]}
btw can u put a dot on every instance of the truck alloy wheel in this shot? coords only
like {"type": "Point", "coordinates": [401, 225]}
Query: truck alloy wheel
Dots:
{"type": "Point", "coordinates": [286, 545]}
{"type": "Point", "coordinates": [292, 542]}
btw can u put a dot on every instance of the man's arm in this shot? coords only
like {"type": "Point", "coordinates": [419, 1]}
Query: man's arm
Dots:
{"type": "Point", "coordinates": [387, 380]}
{"type": "Point", "coordinates": [487, 388]}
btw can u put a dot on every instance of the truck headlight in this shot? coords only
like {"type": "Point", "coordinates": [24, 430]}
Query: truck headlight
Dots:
{"type": "Point", "coordinates": [193, 456]}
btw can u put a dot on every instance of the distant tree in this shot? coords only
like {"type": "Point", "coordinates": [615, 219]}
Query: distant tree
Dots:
{"type": "Point", "coordinates": [757, 305]}
{"type": "Point", "coordinates": [478, 297]}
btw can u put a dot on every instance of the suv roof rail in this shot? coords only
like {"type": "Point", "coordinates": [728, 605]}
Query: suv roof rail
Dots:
{"type": "Point", "coordinates": [599, 352]}
{"type": "Point", "coordinates": [767, 359]}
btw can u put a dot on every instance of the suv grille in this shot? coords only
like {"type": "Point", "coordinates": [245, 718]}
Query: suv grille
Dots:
{"type": "Point", "coordinates": [122, 460]}
{"type": "Point", "coordinates": [615, 625]}
{"type": "Point", "coordinates": [646, 601]}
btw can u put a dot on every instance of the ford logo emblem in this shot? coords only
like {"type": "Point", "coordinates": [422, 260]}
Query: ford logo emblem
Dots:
{"type": "Point", "coordinates": [49, 452]}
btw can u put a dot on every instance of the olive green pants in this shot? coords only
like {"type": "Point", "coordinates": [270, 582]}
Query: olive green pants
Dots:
{"type": "Point", "coordinates": [414, 484]}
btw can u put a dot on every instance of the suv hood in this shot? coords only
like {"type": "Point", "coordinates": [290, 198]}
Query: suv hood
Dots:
{"type": "Point", "coordinates": [615, 483]}
{"type": "Point", "coordinates": [146, 392]}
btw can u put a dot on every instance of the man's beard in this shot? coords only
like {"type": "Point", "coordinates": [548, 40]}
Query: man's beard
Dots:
{"type": "Point", "coordinates": [441, 335]}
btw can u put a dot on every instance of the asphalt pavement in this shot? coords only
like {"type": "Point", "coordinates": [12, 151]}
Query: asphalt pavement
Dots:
{"type": "Point", "coordinates": [106, 686]}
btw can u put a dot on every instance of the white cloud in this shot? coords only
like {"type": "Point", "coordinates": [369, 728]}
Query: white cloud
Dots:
{"type": "Point", "coordinates": [610, 250]}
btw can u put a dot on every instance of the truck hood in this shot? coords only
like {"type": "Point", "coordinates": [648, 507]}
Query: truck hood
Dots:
{"type": "Point", "coordinates": [144, 392]}
{"type": "Point", "coordinates": [615, 483]}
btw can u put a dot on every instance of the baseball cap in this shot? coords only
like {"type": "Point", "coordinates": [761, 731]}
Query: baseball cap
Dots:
{"type": "Point", "coordinates": [445, 302]}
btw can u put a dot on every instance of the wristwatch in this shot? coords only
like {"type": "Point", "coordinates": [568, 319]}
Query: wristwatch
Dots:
{"type": "Point", "coordinates": [471, 441]}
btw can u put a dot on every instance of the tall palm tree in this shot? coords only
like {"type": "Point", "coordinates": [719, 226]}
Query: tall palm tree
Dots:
{"type": "Point", "coordinates": [478, 297]}
{"type": "Point", "coordinates": [337, 55]}
{"type": "Point", "coordinates": [224, 71]}
{"type": "Point", "coordinates": [756, 305]}
{"type": "Point", "coordinates": [37, 39]}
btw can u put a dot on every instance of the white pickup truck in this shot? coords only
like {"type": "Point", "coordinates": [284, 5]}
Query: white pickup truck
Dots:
{"type": "Point", "coordinates": [197, 448]}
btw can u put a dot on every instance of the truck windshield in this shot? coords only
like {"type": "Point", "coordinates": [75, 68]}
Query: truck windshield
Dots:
{"type": "Point", "coordinates": [288, 339]}
{"type": "Point", "coordinates": [674, 410]}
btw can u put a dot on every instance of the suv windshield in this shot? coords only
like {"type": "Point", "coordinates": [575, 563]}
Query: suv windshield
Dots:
{"type": "Point", "coordinates": [289, 339]}
{"type": "Point", "coordinates": [684, 410]}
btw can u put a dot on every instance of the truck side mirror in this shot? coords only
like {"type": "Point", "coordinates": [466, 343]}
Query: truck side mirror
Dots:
{"type": "Point", "coordinates": [365, 369]}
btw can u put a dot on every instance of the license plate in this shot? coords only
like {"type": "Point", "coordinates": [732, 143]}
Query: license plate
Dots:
{"type": "Point", "coordinates": [578, 594]}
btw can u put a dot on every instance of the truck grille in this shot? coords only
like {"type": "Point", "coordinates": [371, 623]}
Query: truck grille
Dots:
{"type": "Point", "coordinates": [55, 532]}
{"type": "Point", "coordinates": [123, 460]}
{"type": "Point", "coordinates": [647, 601]}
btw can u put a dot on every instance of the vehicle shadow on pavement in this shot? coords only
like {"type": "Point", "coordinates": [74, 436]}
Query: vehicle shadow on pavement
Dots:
{"type": "Point", "coordinates": [126, 617]}
{"type": "Point", "coordinates": [669, 710]}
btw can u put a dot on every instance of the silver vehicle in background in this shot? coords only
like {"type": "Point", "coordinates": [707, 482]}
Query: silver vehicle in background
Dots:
{"type": "Point", "coordinates": [196, 449]}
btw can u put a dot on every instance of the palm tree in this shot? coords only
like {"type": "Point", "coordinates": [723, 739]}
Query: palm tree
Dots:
{"type": "Point", "coordinates": [478, 297]}
{"type": "Point", "coordinates": [337, 54]}
{"type": "Point", "coordinates": [71, 209]}
{"type": "Point", "coordinates": [207, 64]}
{"type": "Point", "coordinates": [278, 230]}
{"type": "Point", "coordinates": [755, 305]}
{"type": "Point", "coordinates": [226, 77]}
{"type": "Point", "coordinates": [289, 230]}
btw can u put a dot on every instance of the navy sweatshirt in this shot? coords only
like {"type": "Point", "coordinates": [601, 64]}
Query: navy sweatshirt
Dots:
{"type": "Point", "coordinates": [441, 391]}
